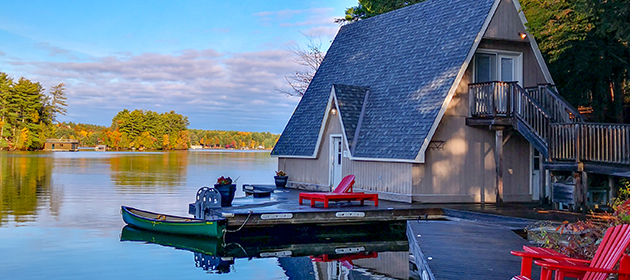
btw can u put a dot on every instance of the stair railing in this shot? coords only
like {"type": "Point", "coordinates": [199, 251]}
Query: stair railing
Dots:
{"type": "Point", "coordinates": [531, 113]}
{"type": "Point", "coordinates": [552, 120]}
{"type": "Point", "coordinates": [559, 109]}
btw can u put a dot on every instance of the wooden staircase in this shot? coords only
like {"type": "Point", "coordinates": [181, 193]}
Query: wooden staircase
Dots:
{"type": "Point", "coordinates": [552, 126]}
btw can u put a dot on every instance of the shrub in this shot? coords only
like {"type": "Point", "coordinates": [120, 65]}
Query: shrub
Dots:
{"type": "Point", "coordinates": [580, 239]}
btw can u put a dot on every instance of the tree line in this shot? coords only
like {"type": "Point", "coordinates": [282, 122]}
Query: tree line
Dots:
{"type": "Point", "coordinates": [147, 130]}
{"type": "Point", "coordinates": [28, 112]}
{"type": "Point", "coordinates": [233, 139]}
{"type": "Point", "coordinates": [586, 44]}
{"type": "Point", "coordinates": [28, 116]}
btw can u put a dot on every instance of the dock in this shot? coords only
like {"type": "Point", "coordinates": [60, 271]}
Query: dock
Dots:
{"type": "Point", "coordinates": [447, 241]}
{"type": "Point", "coordinates": [282, 208]}
{"type": "Point", "coordinates": [465, 250]}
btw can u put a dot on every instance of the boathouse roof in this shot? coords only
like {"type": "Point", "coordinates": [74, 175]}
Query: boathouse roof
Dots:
{"type": "Point", "coordinates": [390, 77]}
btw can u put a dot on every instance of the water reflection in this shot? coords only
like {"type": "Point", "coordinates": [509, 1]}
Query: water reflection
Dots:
{"type": "Point", "coordinates": [149, 171]}
{"type": "Point", "coordinates": [25, 185]}
{"type": "Point", "coordinates": [302, 252]}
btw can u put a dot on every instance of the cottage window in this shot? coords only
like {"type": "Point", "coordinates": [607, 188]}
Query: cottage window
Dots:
{"type": "Point", "coordinates": [492, 66]}
{"type": "Point", "coordinates": [485, 68]}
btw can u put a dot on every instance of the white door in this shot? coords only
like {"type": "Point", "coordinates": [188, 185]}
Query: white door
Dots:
{"type": "Point", "coordinates": [509, 68]}
{"type": "Point", "coordinates": [536, 167]}
{"type": "Point", "coordinates": [336, 155]}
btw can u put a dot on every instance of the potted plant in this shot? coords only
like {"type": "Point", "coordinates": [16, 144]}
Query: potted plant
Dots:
{"type": "Point", "coordinates": [281, 179]}
{"type": "Point", "coordinates": [226, 189]}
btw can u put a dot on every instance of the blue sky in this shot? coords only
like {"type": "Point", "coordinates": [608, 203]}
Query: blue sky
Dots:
{"type": "Point", "coordinates": [217, 62]}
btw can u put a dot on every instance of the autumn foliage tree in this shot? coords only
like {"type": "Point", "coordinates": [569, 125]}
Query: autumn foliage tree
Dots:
{"type": "Point", "coordinates": [140, 129]}
{"type": "Point", "coordinates": [27, 113]}
{"type": "Point", "coordinates": [586, 46]}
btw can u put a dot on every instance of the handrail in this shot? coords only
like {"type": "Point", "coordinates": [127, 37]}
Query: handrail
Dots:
{"type": "Point", "coordinates": [556, 105]}
{"type": "Point", "coordinates": [490, 99]}
{"type": "Point", "coordinates": [553, 121]}
{"type": "Point", "coordinates": [592, 142]}
{"type": "Point", "coordinates": [563, 105]}
{"type": "Point", "coordinates": [531, 113]}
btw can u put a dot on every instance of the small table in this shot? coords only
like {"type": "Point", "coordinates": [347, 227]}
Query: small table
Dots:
{"type": "Point", "coordinates": [258, 191]}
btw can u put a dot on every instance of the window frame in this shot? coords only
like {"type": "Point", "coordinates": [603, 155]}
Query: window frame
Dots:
{"type": "Point", "coordinates": [518, 63]}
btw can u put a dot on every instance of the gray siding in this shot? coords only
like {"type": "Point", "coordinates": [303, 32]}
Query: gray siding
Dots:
{"type": "Point", "coordinates": [505, 24]}
{"type": "Point", "coordinates": [458, 171]}
{"type": "Point", "coordinates": [392, 180]}
{"type": "Point", "coordinates": [465, 166]}
{"type": "Point", "coordinates": [503, 34]}
{"type": "Point", "coordinates": [532, 75]}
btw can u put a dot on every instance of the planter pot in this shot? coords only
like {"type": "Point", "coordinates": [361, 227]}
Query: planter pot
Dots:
{"type": "Point", "coordinates": [281, 181]}
{"type": "Point", "coordinates": [227, 193]}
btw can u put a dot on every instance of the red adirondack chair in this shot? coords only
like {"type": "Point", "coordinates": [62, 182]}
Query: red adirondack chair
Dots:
{"type": "Point", "coordinates": [345, 260]}
{"type": "Point", "coordinates": [343, 192]}
{"type": "Point", "coordinates": [608, 254]}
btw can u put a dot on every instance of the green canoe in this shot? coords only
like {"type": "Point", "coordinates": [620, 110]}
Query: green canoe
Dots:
{"type": "Point", "coordinates": [172, 224]}
{"type": "Point", "coordinates": [195, 244]}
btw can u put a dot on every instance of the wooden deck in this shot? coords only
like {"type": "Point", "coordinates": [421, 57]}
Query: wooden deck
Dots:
{"type": "Point", "coordinates": [282, 208]}
{"type": "Point", "coordinates": [459, 241]}
{"type": "Point", "coordinates": [465, 250]}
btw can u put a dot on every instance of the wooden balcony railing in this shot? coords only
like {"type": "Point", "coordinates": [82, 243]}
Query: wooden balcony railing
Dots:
{"type": "Point", "coordinates": [492, 99]}
{"type": "Point", "coordinates": [592, 142]}
{"type": "Point", "coordinates": [508, 99]}
{"type": "Point", "coordinates": [557, 126]}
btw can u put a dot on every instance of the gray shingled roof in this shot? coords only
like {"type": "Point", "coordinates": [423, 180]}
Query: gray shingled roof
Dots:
{"type": "Point", "coordinates": [409, 58]}
{"type": "Point", "coordinates": [350, 101]}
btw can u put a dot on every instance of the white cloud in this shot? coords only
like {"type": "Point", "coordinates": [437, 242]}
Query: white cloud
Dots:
{"type": "Point", "coordinates": [299, 18]}
{"type": "Point", "coordinates": [215, 90]}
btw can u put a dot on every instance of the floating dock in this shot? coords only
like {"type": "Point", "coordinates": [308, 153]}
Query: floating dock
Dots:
{"type": "Point", "coordinates": [448, 241]}
{"type": "Point", "coordinates": [282, 208]}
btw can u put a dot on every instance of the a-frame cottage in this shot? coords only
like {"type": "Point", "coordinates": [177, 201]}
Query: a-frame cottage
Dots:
{"type": "Point", "coordinates": [435, 102]}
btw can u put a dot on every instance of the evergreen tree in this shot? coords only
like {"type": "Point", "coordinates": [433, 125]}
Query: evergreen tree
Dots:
{"type": "Point", "coordinates": [369, 8]}
{"type": "Point", "coordinates": [587, 51]}
{"type": "Point", "coordinates": [58, 101]}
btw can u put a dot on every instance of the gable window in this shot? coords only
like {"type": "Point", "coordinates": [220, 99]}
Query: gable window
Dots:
{"type": "Point", "coordinates": [492, 66]}
{"type": "Point", "coordinates": [485, 68]}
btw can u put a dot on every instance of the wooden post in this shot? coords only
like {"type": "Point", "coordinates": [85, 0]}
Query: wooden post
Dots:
{"type": "Point", "coordinates": [577, 191]}
{"type": "Point", "coordinates": [611, 189]}
{"type": "Point", "coordinates": [580, 175]}
{"type": "Point", "coordinates": [584, 191]}
{"type": "Point", "coordinates": [498, 159]}
{"type": "Point", "coordinates": [543, 186]}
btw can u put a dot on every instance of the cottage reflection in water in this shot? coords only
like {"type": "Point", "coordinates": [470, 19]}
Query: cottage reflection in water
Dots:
{"type": "Point", "coordinates": [358, 254]}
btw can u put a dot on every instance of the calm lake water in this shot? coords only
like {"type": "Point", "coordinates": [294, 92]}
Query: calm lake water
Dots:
{"type": "Point", "coordinates": [60, 219]}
